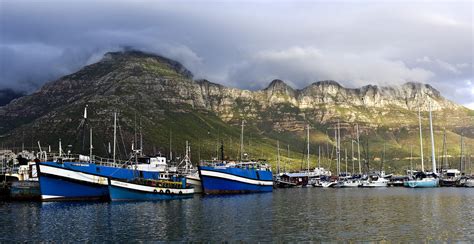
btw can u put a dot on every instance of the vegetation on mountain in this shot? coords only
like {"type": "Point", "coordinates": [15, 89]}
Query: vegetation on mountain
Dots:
{"type": "Point", "coordinates": [157, 98]}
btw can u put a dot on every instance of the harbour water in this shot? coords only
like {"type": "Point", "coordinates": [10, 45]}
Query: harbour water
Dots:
{"type": "Point", "coordinates": [310, 214]}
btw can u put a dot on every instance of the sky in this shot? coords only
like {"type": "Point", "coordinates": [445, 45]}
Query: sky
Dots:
{"type": "Point", "coordinates": [247, 44]}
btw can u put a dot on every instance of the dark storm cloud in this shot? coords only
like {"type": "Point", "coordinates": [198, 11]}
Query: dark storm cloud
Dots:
{"type": "Point", "coordinates": [246, 44]}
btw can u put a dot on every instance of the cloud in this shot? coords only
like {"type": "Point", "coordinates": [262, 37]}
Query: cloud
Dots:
{"type": "Point", "coordinates": [246, 43]}
{"type": "Point", "coordinates": [303, 65]}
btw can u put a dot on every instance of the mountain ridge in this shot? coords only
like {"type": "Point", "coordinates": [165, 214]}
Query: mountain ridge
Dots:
{"type": "Point", "coordinates": [163, 95]}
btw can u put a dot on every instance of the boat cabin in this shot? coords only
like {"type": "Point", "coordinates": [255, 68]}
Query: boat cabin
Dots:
{"type": "Point", "coordinates": [298, 179]}
{"type": "Point", "coordinates": [451, 173]}
{"type": "Point", "coordinates": [156, 164]}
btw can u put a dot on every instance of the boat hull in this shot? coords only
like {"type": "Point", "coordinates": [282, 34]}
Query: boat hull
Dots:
{"type": "Point", "coordinates": [235, 180]}
{"type": "Point", "coordinates": [424, 183]}
{"type": "Point", "coordinates": [125, 191]}
{"type": "Point", "coordinates": [79, 181]}
{"type": "Point", "coordinates": [347, 184]}
{"type": "Point", "coordinates": [370, 185]}
{"type": "Point", "coordinates": [448, 182]}
{"type": "Point", "coordinates": [469, 183]}
{"type": "Point", "coordinates": [25, 191]}
{"type": "Point", "coordinates": [195, 181]}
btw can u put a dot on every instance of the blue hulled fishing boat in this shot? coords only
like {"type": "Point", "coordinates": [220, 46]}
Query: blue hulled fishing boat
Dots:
{"type": "Point", "coordinates": [231, 178]}
{"type": "Point", "coordinates": [149, 190]}
{"type": "Point", "coordinates": [221, 177]}
{"type": "Point", "coordinates": [68, 179]}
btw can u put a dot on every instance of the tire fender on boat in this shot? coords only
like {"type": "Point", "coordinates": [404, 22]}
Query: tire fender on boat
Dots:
{"type": "Point", "coordinates": [167, 191]}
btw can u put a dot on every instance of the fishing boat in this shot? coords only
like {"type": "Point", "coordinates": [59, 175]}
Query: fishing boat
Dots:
{"type": "Point", "coordinates": [27, 187]}
{"type": "Point", "coordinates": [228, 177]}
{"type": "Point", "coordinates": [78, 177]}
{"type": "Point", "coordinates": [236, 177]}
{"type": "Point", "coordinates": [139, 189]}
{"type": "Point", "coordinates": [20, 179]}
{"type": "Point", "coordinates": [70, 178]}
{"type": "Point", "coordinates": [194, 180]}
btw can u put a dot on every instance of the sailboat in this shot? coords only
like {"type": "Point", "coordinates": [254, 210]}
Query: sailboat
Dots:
{"type": "Point", "coordinates": [224, 177]}
{"type": "Point", "coordinates": [449, 177]}
{"type": "Point", "coordinates": [324, 176]}
{"type": "Point", "coordinates": [425, 179]}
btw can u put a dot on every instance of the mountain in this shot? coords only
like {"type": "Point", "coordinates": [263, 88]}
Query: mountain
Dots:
{"type": "Point", "coordinates": [7, 95]}
{"type": "Point", "coordinates": [156, 97]}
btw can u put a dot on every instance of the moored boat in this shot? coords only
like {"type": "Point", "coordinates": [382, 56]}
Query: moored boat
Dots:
{"type": "Point", "coordinates": [232, 178]}
{"type": "Point", "coordinates": [450, 177]}
{"type": "Point", "coordinates": [73, 179]}
{"type": "Point", "coordinates": [375, 181]}
{"type": "Point", "coordinates": [148, 190]}
{"type": "Point", "coordinates": [423, 180]}
{"type": "Point", "coordinates": [195, 181]}
{"type": "Point", "coordinates": [351, 182]}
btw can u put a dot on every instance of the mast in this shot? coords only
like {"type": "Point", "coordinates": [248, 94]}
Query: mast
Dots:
{"type": "Point", "coordinates": [115, 134]}
{"type": "Point", "coordinates": [60, 148]}
{"type": "Point", "coordinates": [445, 151]}
{"type": "Point", "coordinates": [345, 152]}
{"type": "Point", "coordinates": [90, 146]}
{"type": "Point", "coordinates": [383, 158]}
{"type": "Point", "coordinates": [338, 149]}
{"type": "Point", "coordinates": [242, 141]}
{"type": "Point", "coordinates": [171, 151]}
{"type": "Point", "coordinates": [307, 148]}
{"type": "Point", "coordinates": [421, 141]}
{"type": "Point", "coordinates": [461, 157]}
{"type": "Point", "coordinates": [141, 138]}
{"type": "Point", "coordinates": [288, 156]}
{"type": "Point", "coordinates": [278, 156]}
{"type": "Point", "coordinates": [433, 154]}
{"type": "Point", "coordinates": [352, 155]}
{"type": "Point", "coordinates": [186, 157]}
{"type": "Point", "coordinates": [411, 157]}
{"type": "Point", "coordinates": [319, 157]}
{"type": "Point", "coordinates": [358, 149]}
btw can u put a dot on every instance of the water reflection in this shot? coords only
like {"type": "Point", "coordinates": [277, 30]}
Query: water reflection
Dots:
{"type": "Point", "coordinates": [285, 215]}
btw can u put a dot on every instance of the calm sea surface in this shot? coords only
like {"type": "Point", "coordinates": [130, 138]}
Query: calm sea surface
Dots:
{"type": "Point", "coordinates": [285, 215]}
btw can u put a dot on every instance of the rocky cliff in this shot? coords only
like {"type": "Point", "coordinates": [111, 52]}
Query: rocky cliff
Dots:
{"type": "Point", "coordinates": [162, 94]}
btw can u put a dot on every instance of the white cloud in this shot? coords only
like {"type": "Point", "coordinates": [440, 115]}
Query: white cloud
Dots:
{"type": "Point", "coordinates": [247, 43]}
{"type": "Point", "coordinates": [302, 65]}
{"type": "Point", "coordinates": [447, 66]}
